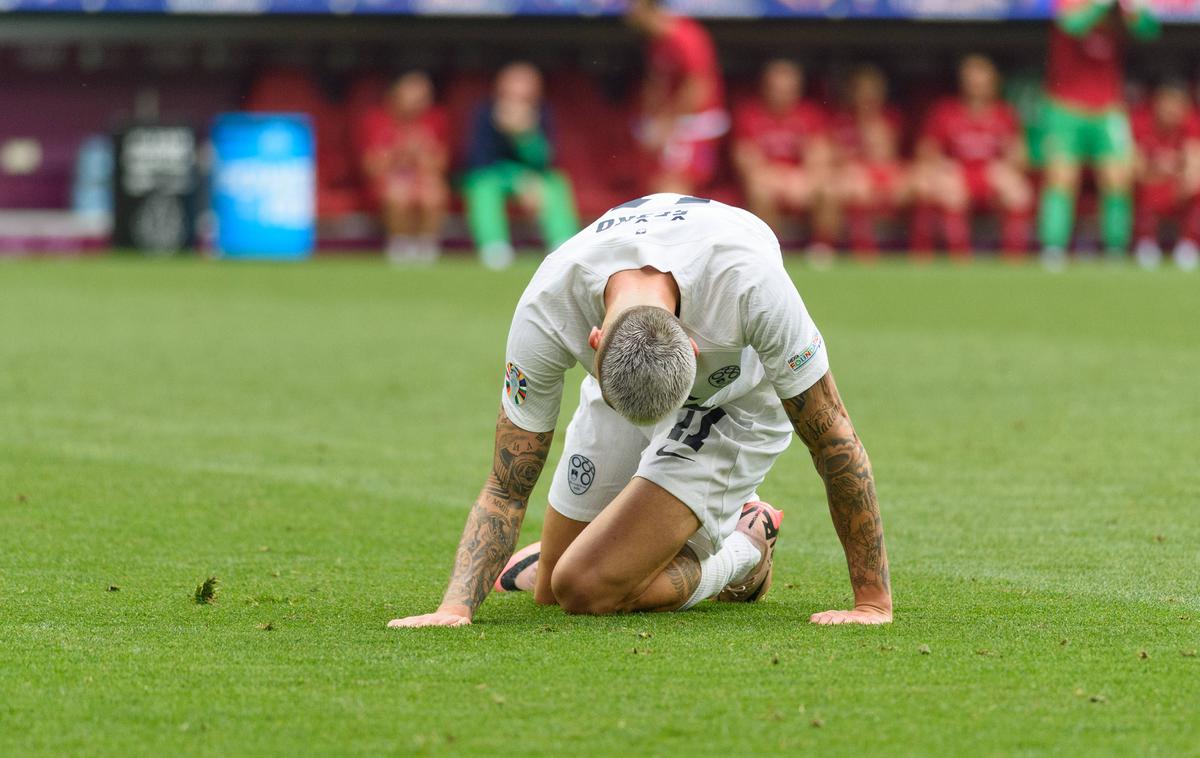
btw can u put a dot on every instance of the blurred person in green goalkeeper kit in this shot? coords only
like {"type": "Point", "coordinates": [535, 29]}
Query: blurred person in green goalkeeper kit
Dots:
{"type": "Point", "coordinates": [1085, 121]}
{"type": "Point", "coordinates": [511, 155]}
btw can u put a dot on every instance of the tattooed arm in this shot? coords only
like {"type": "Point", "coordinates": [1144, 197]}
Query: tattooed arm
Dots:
{"type": "Point", "coordinates": [490, 536]}
{"type": "Point", "coordinates": [820, 419]}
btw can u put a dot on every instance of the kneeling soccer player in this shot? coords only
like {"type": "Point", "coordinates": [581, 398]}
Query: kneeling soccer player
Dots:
{"type": "Point", "coordinates": [699, 352]}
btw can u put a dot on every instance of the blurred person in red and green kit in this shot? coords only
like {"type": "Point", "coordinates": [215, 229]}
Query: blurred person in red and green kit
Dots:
{"type": "Point", "coordinates": [510, 155]}
{"type": "Point", "coordinates": [683, 114]}
{"type": "Point", "coordinates": [1167, 133]}
{"type": "Point", "coordinates": [405, 155]}
{"type": "Point", "coordinates": [1085, 120]}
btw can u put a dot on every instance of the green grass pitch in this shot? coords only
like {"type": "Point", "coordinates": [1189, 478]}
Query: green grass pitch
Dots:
{"type": "Point", "coordinates": [313, 435]}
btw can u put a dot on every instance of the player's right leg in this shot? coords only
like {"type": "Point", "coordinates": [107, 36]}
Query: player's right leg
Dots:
{"type": "Point", "coordinates": [1187, 248]}
{"type": "Point", "coordinates": [486, 192]}
{"type": "Point", "coordinates": [399, 221]}
{"type": "Point", "coordinates": [680, 532]}
{"type": "Point", "coordinates": [1063, 150]}
{"type": "Point", "coordinates": [633, 556]}
{"type": "Point", "coordinates": [760, 187]}
{"type": "Point", "coordinates": [955, 191]}
{"type": "Point", "coordinates": [647, 552]}
{"type": "Point", "coordinates": [557, 216]}
{"type": "Point", "coordinates": [1153, 202]}
{"type": "Point", "coordinates": [855, 195]}
{"type": "Point", "coordinates": [601, 450]}
{"type": "Point", "coordinates": [433, 196]}
{"type": "Point", "coordinates": [926, 184]}
{"type": "Point", "coordinates": [558, 532]}
{"type": "Point", "coordinates": [826, 215]}
{"type": "Point", "coordinates": [1113, 152]}
{"type": "Point", "coordinates": [1011, 190]}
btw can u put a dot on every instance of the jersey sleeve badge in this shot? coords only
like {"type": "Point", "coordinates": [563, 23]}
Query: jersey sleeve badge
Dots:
{"type": "Point", "coordinates": [800, 359]}
{"type": "Point", "coordinates": [516, 387]}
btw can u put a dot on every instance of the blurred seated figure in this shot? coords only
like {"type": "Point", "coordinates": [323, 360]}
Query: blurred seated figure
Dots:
{"type": "Point", "coordinates": [1167, 137]}
{"type": "Point", "coordinates": [783, 156]}
{"type": "Point", "coordinates": [404, 160]}
{"type": "Point", "coordinates": [510, 155]}
{"type": "Point", "coordinates": [870, 179]}
{"type": "Point", "coordinates": [682, 112]}
{"type": "Point", "coordinates": [971, 155]}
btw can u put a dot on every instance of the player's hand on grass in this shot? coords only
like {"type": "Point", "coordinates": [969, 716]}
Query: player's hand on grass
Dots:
{"type": "Point", "coordinates": [439, 617]}
{"type": "Point", "coordinates": [862, 614]}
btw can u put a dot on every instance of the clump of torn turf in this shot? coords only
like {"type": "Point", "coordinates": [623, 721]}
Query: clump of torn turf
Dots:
{"type": "Point", "coordinates": [206, 591]}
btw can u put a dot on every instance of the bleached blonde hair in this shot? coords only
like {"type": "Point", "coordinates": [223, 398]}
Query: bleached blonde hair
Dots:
{"type": "Point", "coordinates": [645, 364]}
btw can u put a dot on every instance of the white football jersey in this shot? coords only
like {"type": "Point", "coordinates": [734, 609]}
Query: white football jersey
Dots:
{"type": "Point", "coordinates": [736, 301]}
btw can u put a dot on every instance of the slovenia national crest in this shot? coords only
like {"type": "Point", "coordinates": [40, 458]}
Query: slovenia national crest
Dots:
{"type": "Point", "coordinates": [580, 474]}
{"type": "Point", "coordinates": [515, 385]}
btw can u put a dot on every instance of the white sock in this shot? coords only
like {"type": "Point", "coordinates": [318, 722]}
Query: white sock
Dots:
{"type": "Point", "coordinates": [429, 247]}
{"type": "Point", "coordinates": [736, 558]}
{"type": "Point", "coordinates": [400, 248]}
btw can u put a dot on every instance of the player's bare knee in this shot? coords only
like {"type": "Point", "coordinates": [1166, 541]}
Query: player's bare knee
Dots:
{"type": "Point", "coordinates": [579, 591]}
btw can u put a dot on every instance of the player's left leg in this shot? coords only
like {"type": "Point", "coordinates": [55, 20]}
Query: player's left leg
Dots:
{"type": "Point", "coordinates": [826, 213]}
{"type": "Point", "coordinates": [927, 188]}
{"type": "Point", "coordinates": [558, 532]}
{"type": "Point", "coordinates": [601, 452]}
{"type": "Point", "coordinates": [557, 216]}
{"type": "Point", "coordinates": [642, 554]}
{"type": "Point", "coordinates": [486, 191]}
{"type": "Point", "coordinates": [399, 221]}
{"type": "Point", "coordinates": [892, 192]}
{"type": "Point", "coordinates": [1154, 202]}
{"type": "Point", "coordinates": [1012, 192]}
{"type": "Point", "coordinates": [1113, 143]}
{"type": "Point", "coordinates": [1064, 149]}
{"type": "Point", "coordinates": [763, 191]}
{"type": "Point", "coordinates": [432, 197]}
{"type": "Point", "coordinates": [631, 557]}
{"type": "Point", "coordinates": [678, 533]}
{"type": "Point", "coordinates": [957, 190]}
{"type": "Point", "coordinates": [1187, 249]}
{"type": "Point", "coordinates": [854, 187]}
{"type": "Point", "coordinates": [807, 190]}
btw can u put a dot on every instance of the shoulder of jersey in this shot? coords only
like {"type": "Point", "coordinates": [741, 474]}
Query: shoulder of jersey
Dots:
{"type": "Point", "coordinates": [711, 214]}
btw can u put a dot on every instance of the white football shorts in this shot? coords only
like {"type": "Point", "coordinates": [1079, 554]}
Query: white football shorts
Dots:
{"type": "Point", "coordinates": [712, 459]}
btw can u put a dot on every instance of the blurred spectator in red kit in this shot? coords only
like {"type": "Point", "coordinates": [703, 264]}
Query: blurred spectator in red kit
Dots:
{"type": "Point", "coordinates": [971, 155]}
{"type": "Point", "coordinates": [783, 155]}
{"type": "Point", "coordinates": [871, 179]}
{"type": "Point", "coordinates": [405, 155]}
{"type": "Point", "coordinates": [682, 107]}
{"type": "Point", "coordinates": [1167, 137]}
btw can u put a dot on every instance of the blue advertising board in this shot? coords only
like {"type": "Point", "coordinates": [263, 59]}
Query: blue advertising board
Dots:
{"type": "Point", "coordinates": [1169, 10]}
{"type": "Point", "coordinates": [264, 185]}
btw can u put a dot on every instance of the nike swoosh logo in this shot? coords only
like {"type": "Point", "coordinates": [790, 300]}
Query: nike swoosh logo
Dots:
{"type": "Point", "coordinates": [664, 453]}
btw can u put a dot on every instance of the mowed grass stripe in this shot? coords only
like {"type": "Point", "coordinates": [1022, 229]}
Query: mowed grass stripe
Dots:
{"type": "Point", "coordinates": [168, 420]}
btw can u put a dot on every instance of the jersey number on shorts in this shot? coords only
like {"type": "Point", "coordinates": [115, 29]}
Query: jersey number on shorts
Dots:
{"type": "Point", "coordinates": [695, 441]}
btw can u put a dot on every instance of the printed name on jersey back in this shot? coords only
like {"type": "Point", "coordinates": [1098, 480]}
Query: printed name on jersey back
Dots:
{"type": "Point", "coordinates": [674, 214]}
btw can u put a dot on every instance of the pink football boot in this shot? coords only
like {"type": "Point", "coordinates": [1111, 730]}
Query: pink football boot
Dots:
{"type": "Point", "coordinates": [520, 573]}
{"type": "Point", "coordinates": [760, 523]}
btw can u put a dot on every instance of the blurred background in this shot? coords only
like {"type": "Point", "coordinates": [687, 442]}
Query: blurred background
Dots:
{"type": "Point", "coordinates": [413, 128]}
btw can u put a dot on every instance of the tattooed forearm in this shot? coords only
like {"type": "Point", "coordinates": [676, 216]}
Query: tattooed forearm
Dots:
{"type": "Point", "coordinates": [487, 543]}
{"type": "Point", "coordinates": [494, 524]}
{"type": "Point", "coordinates": [820, 419]}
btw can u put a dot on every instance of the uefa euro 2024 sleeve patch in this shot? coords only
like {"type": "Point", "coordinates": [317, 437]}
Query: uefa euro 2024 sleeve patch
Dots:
{"type": "Point", "coordinates": [515, 385]}
{"type": "Point", "coordinates": [801, 359]}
